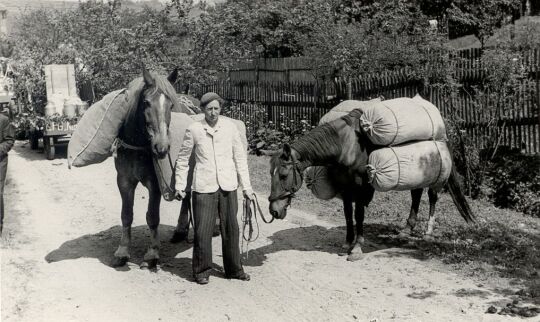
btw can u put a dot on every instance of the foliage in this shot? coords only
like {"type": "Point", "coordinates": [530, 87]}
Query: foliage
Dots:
{"type": "Point", "coordinates": [263, 134]}
{"type": "Point", "coordinates": [515, 182]}
{"type": "Point", "coordinates": [478, 17]}
{"type": "Point", "coordinates": [524, 34]}
{"type": "Point", "coordinates": [106, 43]}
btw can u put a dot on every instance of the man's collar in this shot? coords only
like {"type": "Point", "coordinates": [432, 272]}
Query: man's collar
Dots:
{"type": "Point", "coordinates": [211, 129]}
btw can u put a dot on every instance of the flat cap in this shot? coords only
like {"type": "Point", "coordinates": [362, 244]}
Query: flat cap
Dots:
{"type": "Point", "coordinates": [209, 97]}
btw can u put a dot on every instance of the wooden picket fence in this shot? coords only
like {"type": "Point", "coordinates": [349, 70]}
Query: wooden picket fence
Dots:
{"type": "Point", "coordinates": [287, 104]}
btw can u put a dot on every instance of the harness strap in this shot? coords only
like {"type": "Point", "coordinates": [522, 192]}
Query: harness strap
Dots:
{"type": "Point", "coordinates": [119, 143]}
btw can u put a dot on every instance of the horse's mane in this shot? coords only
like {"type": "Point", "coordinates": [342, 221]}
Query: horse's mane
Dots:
{"type": "Point", "coordinates": [322, 140]}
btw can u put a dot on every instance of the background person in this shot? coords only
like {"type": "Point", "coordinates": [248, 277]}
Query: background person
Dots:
{"type": "Point", "coordinates": [7, 138]}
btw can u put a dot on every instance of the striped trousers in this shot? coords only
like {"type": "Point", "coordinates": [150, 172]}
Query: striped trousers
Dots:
{"type": "Point", "coordinates": [205, 208]}
{"type": "Point", "coordinates": [3, 171]}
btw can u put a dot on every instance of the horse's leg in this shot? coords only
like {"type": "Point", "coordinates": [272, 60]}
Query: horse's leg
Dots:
{"type": "Point", "coordinates": [182, 228]}
{"type": "Point", "coordinates": [127, 192]}
{"type": "Point", "coordinates": [348, 210]}
{"type": "Point", "coordinates": [152, 220]}
{"type": "Point", "coordinates": [433, 197]}
{"type": "Point", "coordinates": [416, 195]}
{"type": "Point", "coordinates": [363, 196]}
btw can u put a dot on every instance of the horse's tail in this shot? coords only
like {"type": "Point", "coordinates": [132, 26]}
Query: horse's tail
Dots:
{"type": "Point", "coordinates": [459, 198]}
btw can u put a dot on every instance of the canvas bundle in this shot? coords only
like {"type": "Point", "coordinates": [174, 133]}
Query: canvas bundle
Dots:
{"type": "Point", "coordinates": [401, 120]}
{"type": "Point", "coordinates": [410, 166]}
{"type": "Point", "coordinates": [318, 181]}
{"type": "Point", "coordinates": [165, 167]}
{"type": "Point", "coordinates": [96, 131]}
{"type": "Point", "coordinates": [345, 108]}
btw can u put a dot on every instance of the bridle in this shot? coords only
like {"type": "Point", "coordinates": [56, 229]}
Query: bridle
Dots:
{"type": "Point", "coordinates": [289, 192]}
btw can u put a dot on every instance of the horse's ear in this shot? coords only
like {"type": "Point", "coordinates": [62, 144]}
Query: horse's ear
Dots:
{"type": "Point", "coordinates": [355, 120]}
{"type": "Point", "coordinates": [148, 78]}
{"type": "Point", "coordinates": [173, 76]}
{"type": "Point", "coordinates": [286, 154]}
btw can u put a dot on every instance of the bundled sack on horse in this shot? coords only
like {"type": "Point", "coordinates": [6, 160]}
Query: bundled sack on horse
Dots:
{"type": "Point", "coordinates": [410, 166]}
{"type": "Point", "coordinates": [345, 108]}
{"type": "Point", "coordinates": [96, 131]}
{"type": "Point", "coordinates": [319, 182]}
{"type": "Point", "coordinates": [402, 120]}
{"type": "Point", "coordinates": [177, 128]}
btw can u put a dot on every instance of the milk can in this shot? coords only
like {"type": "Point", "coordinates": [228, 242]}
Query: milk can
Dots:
{"type": "Point", "coordinates": [70, 108]}
{"type": "Point", "coordinates": [81, 108]}
{"type": "Point", "coordinates": [50, 108]}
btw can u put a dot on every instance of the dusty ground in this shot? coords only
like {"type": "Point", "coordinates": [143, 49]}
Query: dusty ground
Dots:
{"type": "Point", "coordinates": [62, 228]}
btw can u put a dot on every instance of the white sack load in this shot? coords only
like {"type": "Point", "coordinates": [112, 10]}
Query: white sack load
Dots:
{"type": "Point", "coordinates": [96, 131]}
{"type": "Point", "coordinates": [177, 128]}
{"type": "Point", "coordinates": [402, 120]}
{"type": "Point", "coordinates": [410, 166]}
{"type": "Point", "coordinates": [345, 108]}
{"type": "Point", "coordinates": [318, 181]}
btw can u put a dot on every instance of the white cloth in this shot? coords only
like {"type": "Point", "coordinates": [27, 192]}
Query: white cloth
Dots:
{"type": "Point", "coordinates": [220, 158]}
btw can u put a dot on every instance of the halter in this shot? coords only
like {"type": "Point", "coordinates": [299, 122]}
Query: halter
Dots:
{"type": "Point", "coordinates": [297, 182]}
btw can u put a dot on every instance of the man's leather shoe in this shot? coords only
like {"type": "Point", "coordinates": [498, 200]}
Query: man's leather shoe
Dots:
{"type": "Point", "coordinates": [201, 280]}
{"type": "Point", "coordinates": [242, 276]}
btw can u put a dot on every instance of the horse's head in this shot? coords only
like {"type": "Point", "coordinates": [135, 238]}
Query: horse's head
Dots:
{"type": "Point", "coordinates": [158, 98]}
{"type": "Point", "coordinates": [286, 181]}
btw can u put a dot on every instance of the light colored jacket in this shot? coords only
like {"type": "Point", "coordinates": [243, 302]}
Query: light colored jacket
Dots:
{"type": "Point", "coordinates": [220, 158]}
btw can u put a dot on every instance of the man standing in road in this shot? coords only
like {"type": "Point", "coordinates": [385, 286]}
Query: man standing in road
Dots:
{"type": "Point", "coordinates": [6, 143]}
{"type": "Point", "coordinates": [220, 165]}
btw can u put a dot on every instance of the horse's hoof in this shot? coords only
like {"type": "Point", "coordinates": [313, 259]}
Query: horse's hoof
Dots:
{"type": "Point", "coordinates": [119, 261]}
{"type": "Point", "coordinates": [149, 264]}
{"type": "Point", "coordinates": [355, 257]}
{"type": "Point", "coordinates": [178, 237]}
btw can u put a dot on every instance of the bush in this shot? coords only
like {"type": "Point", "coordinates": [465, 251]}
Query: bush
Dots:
{"type": "Point", "coordinates": [515, 181]}
{"type": "Point", "coordinates": [263, 134]}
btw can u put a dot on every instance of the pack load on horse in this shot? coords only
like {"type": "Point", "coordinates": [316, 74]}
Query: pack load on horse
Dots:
{"type": "Point", "coordinates": [93, 138]}
{"type": "Point", "coordinates": [346, 146]}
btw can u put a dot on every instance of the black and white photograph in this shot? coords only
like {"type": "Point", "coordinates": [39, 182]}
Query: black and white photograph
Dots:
{"type": "Point", "coordinates": [269, 160]}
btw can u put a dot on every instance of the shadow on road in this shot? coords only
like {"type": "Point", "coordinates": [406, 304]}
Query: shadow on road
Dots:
{"type": "Point", "coordinates": [23, 148]}
{"type": "Point", "coordinates": [329, 240]}
{"type": "Point", "coordinates": [102, 246]}
{"type": "Point", "coordinates": [314, 238]}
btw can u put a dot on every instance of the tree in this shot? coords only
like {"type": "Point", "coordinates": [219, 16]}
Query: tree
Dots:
{"type": "Point", "coordinates": [107, 43]}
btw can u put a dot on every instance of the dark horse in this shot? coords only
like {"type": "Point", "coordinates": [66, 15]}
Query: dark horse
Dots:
{"type": "Point", "coordinates": [339, 146]}
{"type": "Point", "coordinates": [143, 136]}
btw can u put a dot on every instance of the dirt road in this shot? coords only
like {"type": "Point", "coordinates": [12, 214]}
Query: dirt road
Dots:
{"type": "Point", "coordinates": [62, 228]}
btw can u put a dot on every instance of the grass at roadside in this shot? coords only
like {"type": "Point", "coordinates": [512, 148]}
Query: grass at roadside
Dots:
{"type": "Point", "coordinates": [502, 243]}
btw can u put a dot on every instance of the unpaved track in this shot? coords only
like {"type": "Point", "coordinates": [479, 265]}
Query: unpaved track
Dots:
{"type": "Point", "coordinates": [63, 227]}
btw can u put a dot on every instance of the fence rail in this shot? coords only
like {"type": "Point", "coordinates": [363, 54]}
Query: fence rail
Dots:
{"type": "Point", "coordinates": [297, 102]}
